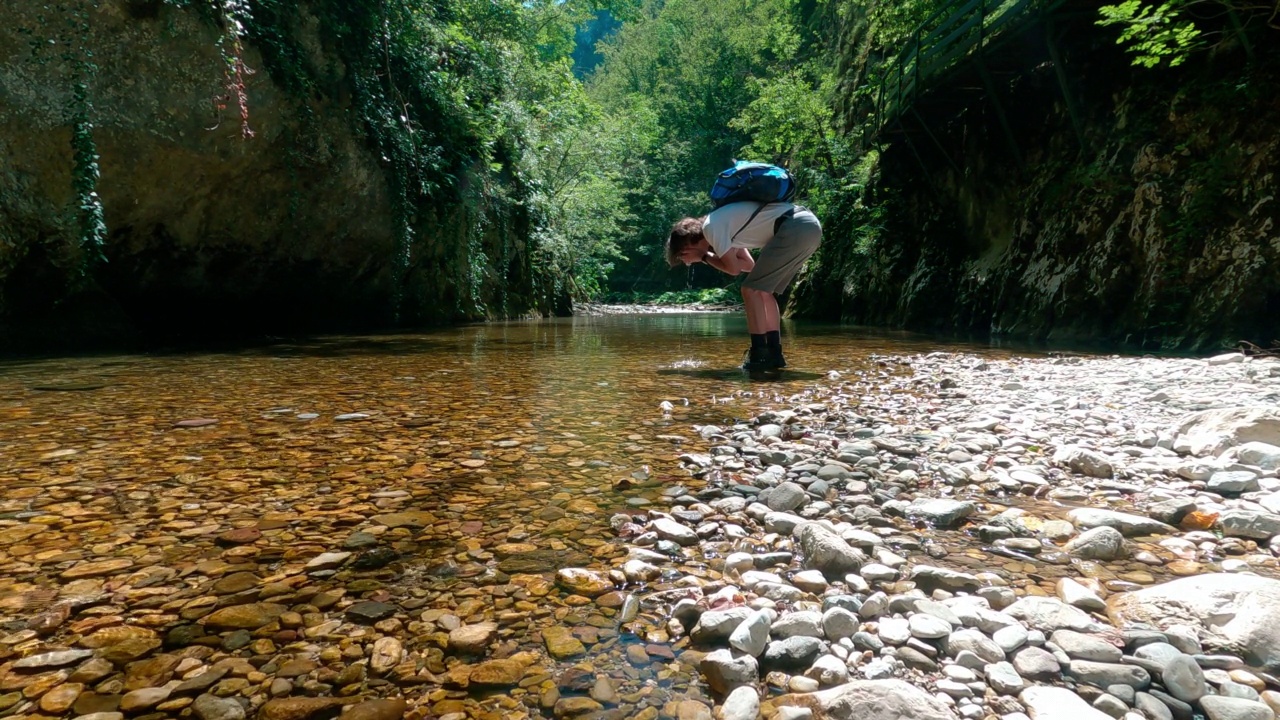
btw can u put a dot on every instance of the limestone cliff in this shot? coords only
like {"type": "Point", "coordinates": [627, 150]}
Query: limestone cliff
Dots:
{"type": "Point", "coordinates": [295, 228]}
{"type": "Point", "coordinates": [1155, 226]}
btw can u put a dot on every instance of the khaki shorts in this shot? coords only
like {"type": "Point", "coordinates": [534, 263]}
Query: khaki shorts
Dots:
{"type": "Point", "coordinates": [795, 240]}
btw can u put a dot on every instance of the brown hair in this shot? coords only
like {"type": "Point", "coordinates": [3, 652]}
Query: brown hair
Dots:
{"type": "Point", "coordinates": [683, 234]}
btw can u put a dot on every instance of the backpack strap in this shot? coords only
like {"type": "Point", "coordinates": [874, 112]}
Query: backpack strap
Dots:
{"type": "Point", "coordinates": [748, 222]}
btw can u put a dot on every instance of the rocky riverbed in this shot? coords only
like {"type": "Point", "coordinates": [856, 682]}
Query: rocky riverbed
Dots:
{"type": "Point", "coordinates": [980, 539]}
{"type": "Point", "coordinates": [932, 535]}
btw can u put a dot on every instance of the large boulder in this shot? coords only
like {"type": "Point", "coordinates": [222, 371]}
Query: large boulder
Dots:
{"type": "Point", "coordinates": [870, 700]}
{"type": "Point", "coordinates": [1212, 431]}
{"type": "Point", "coordinates": [1238, 614]}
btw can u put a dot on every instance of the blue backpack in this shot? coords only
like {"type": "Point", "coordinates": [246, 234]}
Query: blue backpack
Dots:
{"type": "Point", "coordinates": [754, 182]}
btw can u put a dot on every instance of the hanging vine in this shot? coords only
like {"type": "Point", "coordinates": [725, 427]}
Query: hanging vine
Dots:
{"type": "Point", "coordinates": [85, 174]}
{"type": "Point", "coordinates": [235, 15]}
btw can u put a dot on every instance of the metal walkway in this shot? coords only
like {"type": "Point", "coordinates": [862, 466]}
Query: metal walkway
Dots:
{"type": "Point", "coordinates": [960, 31]}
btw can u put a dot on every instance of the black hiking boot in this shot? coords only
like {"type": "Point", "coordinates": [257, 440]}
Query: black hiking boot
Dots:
{"type": "Point", "coordinates": [758, 359]}
{"type": "Point", "coordinates": [774, 354]}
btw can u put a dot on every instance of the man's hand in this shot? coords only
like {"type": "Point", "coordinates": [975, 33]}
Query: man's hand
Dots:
{"type": "Point", "coordinates": [736, 262]}
{"type": "Point", "coordinates": [690, 255]}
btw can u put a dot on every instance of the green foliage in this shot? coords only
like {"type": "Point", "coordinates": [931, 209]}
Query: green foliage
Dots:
{"type": "Point", "coordinates": [893, 23]}
{"type": "Point", "coordinates": [788, 122]}
{"type": "Point", "coordinates": [61, 39]}
{"type": "Point", "coordinates": [679, 73]}
{"type": "Point", "coordinates": [1154, 33]}
{"type": "Point", "coordinates": [477, 117]}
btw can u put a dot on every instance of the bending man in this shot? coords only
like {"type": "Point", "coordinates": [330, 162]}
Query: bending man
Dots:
{"type": "Point", "coordinates": [786, 235]}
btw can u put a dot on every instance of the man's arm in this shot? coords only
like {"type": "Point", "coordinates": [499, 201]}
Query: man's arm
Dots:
{"type": "Point", "coordinates": [736, 262]}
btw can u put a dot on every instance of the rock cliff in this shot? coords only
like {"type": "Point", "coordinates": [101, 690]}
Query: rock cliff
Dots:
{"type": "Point", "coordinates": [1155, 226]}
{"type": "Point", "coordinates": [295, 228]}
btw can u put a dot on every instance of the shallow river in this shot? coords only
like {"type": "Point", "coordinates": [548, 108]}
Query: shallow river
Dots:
{"type": "Point", "coordinates": [156, 488]}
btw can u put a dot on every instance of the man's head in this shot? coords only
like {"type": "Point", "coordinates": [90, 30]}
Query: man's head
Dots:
{"type": "Point", "coordinates": [686, 236]}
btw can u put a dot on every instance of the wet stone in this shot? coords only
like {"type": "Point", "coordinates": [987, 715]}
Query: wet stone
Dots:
{"type": "Point", "coordinates": [208, 707]}
{"type": "Point", "coordinates": [298, 708]}
{"type": "Point", "coordinates": [790, 653]}
{"type": "Point", "coordinates": [57, 659]}
{"type": "Point", "coordinates": [249, 616]}
{"type": "Point", "coordinates": [240, 536]}
{"type": "Point", "coordinates": [369, 611]}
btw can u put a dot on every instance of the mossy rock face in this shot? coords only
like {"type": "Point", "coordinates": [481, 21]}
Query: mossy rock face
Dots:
{"type": "Point", "coordinates": [208, 231]}
{"type": "Point", "coordinates": [1143, 239]}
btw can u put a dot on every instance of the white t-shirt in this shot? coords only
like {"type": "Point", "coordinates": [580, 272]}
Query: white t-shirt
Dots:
{"type": "Point", "coordinates": [722, 226]}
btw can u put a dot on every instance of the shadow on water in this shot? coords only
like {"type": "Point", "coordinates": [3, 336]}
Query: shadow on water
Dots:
{"type": "Point", "coordinates": [739, 374]}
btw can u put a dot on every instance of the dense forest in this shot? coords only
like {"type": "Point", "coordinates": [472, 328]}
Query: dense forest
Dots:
{"type": "Point", "coordinates": [434, 160]}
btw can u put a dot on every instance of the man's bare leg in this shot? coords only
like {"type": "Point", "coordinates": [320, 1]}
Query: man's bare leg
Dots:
{"type": "Point", "coordinates": [757, 307]}
{"type": "Point", "coordinates": [772, 316]}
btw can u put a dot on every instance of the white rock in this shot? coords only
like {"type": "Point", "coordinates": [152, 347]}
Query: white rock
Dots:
{"type": "Point", "coordinates": [741, 704]}
{"type": "Point", "coordinates": [807, 623]}
{"type": "Point", "coordinates": [894, 631]}
{"type": "Point", "coordinates": [1252, 624]}
{"type": "Point", "coordinates": [1084, 461]}
{"type": "Point", "coordinates": [1054, 703]}
{"type": "Point", "coordinates": [669, 529]}
{"type": "Point", "coordinates": [1126, 523]}
{"type": "Point", "coordinates": [1077, 595]}
{"type": "Point", "coordinates": [726, 670]}
{"type": "Point", "coordinates": [1211, 431]}
{"type": "Point", "coordinates": [1004, 679]}
{"type": "Point", "coordinates": [838, 623]}
{"type": "Point", "coordinates": [1010, 638]}
{"type": "Point", "coordinates": [874, 700]}
{"type": "Point", "coordinates": [327, 561]}
{"type": "Point", "coordinates": [828, 670]}
{"type": "Point", "coordinates": [1099, 543]}
{"type": "Point", "coordinates": [752, 634]}
{"type": "Point", "coordinates": [824, 550]}
{"type": "Point", "coordinates": [1218, 707]}
{"type": "Point", "coordinates": [1049, 614]}
{"type": "Point", "coordinates": [928, 627]}
{"type": "Point", "coordinates": [739, 561]}
{"type": "Point", "coordinates": [1261, 454]}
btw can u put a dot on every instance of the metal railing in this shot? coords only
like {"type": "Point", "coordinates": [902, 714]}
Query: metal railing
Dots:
{"type": "Point", "coordinates": [954, 32]}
